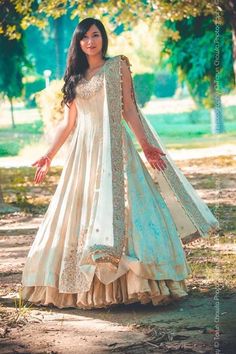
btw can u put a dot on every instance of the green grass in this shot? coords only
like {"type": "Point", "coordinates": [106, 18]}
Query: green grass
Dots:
{"type": "Point", "coordinates": [27, 128]}
{"type": "Point", "coordinates": [205, 262]}
{"type": "Point", "coordinates": [190, 136]}
{"type": "Point", "coordinates": [176, 130]}
{"type": "Point", "coordinates": [192, 129]}
{"type": "Point", "coordinates": [194, 117]}
{"type": "Point", "coordinates": [12, 140]}
{"type": "Point", "coordinates": [190, 125]}
{"type": "Point", "coordinates": [186, 130]}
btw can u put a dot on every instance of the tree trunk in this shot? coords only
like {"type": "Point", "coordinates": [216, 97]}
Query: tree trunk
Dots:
{"type": "Point", "coordinates": [59, 46]}
{"type": "Point", "coordinates": [217, 118]}
{"type": "Point", "coordinates": [230, 7]}
{"type": "Point", "coordinates": [234, 49]}
{"type": "Point", "coordinates": [12, 114]}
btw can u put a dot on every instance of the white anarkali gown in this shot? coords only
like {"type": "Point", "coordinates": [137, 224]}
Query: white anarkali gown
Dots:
{"type": "Point", "coordinates": [58, 270]}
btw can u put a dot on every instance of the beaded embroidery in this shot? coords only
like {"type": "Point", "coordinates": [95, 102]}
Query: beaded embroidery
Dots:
{"type": "Point", "coordinates": [113, 88]}
{"type": "Point", "coordinates": [72, 280]}
{"type": "Point", "coordinates": [88, 88]}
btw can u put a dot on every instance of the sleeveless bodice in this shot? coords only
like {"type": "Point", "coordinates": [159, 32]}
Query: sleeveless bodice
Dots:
{"type": "Point", "coordinates": [90, 105]}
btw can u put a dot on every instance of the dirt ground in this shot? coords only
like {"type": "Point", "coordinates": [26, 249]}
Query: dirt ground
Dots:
{"type": "Point", "coordinates": [204, 322]}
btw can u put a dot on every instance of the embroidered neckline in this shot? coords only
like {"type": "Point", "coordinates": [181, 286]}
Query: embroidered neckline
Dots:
{"type": "Point", "coordinates": [97, 72]}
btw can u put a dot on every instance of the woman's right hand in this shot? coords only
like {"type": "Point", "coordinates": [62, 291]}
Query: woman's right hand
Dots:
{"type": "Point", "coordinates": [155, 157]}
{"type": "Point", "coordinates": [42, 165]}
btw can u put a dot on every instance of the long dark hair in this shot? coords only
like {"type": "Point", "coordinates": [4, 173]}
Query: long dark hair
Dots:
{"type": "Point", "coordinates": [76, 59]}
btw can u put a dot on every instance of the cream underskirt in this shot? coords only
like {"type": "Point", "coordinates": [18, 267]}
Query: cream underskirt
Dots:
{"type": "Point", "coordinates": [129, 288]}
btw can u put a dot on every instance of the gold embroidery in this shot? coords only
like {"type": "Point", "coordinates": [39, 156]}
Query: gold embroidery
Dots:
{"type": "Point", "coordinates": [126, 60]}
{"type": "Point", "coordinates": [114, 94]}
{"type": "Point", "coordinates": [72, 280]}
{"type": "Point", "coordinates": [87, 89]}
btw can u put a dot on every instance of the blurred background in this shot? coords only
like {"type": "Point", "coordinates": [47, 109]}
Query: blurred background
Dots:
{"type": "Point", "coordinates": [183, 56]}
{"type": "Point", "coordinates": [183, 67]}
{"type": "Point", "coordinates": [182, 62]}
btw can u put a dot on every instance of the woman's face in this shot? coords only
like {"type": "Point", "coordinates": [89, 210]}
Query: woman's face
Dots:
{"type": "Point", "coordinates": [91, 43]}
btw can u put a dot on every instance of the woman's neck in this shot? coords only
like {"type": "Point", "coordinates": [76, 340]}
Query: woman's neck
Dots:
{"type": "Point", "coordinates": [95, 62]}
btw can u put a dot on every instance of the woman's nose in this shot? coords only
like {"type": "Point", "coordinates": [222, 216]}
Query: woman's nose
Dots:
{"type": "Point", "coordinates": [90, 41]}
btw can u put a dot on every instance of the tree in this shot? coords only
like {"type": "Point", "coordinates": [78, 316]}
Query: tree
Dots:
{"type": "Point", "coordinates": [12, 60]}
{"type": "Point", "coordinates": [123, 16]}
{"type": "Point", "coordinates": [58, 24]}
{"type": "Point", "coordinates": [207, 71]}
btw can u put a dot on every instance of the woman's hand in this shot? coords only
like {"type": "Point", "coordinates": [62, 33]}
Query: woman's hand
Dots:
{"type": "Point", "coordinates": [42, 165]}
{"type": "Point", "coordinates": [154, 157]}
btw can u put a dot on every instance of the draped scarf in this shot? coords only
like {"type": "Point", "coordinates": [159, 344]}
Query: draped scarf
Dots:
{"type": "Point", "coordinates": [173, 185]}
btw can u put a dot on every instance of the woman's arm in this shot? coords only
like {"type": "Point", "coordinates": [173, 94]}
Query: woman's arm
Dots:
{"type": "Point", "coordinates": [131, 116]}
{"type": "Point", "coordinates": [62, 132]}
{"type": "Point", "coordinates": [64, 129]}
{"type": "Point", "coordinates": [130, 113]}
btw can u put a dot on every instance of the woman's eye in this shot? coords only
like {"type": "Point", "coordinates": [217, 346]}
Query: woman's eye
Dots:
{"type": "Point", "coordinates": [94, 35]}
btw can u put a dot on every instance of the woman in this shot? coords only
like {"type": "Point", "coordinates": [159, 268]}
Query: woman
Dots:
{"type": "Point", "coordinates": [110, 235]}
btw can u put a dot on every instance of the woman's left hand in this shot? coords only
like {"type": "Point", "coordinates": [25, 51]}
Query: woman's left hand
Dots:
{"type": "Point", "coordinates": [154, 157]}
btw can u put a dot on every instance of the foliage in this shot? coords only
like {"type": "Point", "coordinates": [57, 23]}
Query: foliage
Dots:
{"type": "Point", "coordinates": [22, 308]}
{"type": "Point", "coordinates": [143, 85]}
{"type": "Point", "coordinates": [165, 84]}
{"type": "Point", "coordinates": [43, 59]}
{"type": "Point", "coordinates": [10, 148]}
{"type": "Point", "coordinates": [32, 85]}
{"type": "Point", "coordinates": [12, 60]}
{"type": "Point", "coordinates": [141, 45]}
{"type": "Point", "coordinates": [118, 16]}
{"type": "Point", "coordinates": [193, 55]}
{"type": "Point", "coordinates": [45, 38]}
{"type": "Point", "coordinates": [49, 104]}
{"type": "Point", "coordinates": [122, 15]}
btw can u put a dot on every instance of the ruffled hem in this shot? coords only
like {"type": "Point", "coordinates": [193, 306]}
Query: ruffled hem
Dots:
{"type": "Point", "coordinates": [100, 295]}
